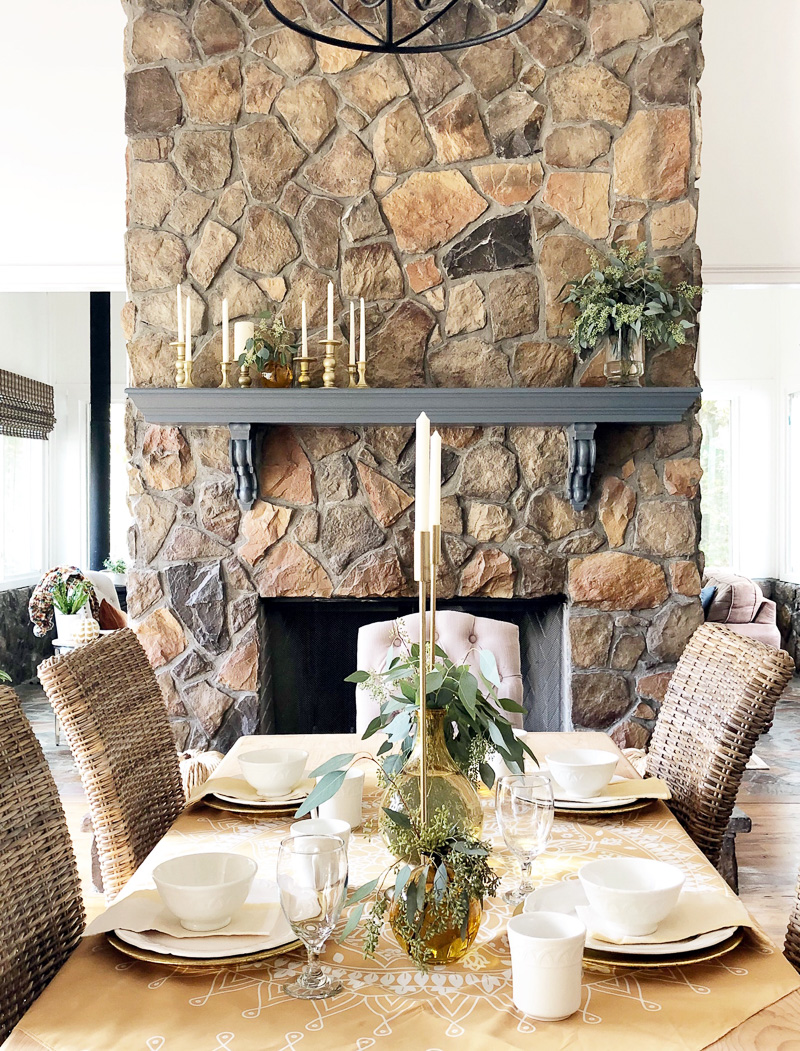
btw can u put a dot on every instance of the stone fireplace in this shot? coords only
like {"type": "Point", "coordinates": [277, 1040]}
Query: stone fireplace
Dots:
{"type": "Point", "coordinates": [457, 195]}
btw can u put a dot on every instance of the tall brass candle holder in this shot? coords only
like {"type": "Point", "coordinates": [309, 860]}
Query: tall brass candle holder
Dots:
{"type": "Point", "coordinates": [225, 366]}
{"type": "Point", "coordinates": [180, 362]}
{"type": "Point", "coordinates": [329, 362]}
{"type": "Point", "coordinates": [424, 577]}
{"type": "Point", "coordinates": [353, 370]}
{"type": "Point", "coordinates": [303, 377]}
{"type": "Point", "coordinates": [188, 366]}
{"type": "Point", "coordinates": [245, 380]}
{"type": "Point", "coordinates": [362, 374]}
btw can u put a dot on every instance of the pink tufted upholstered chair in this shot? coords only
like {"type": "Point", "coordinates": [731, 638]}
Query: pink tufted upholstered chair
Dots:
{"type": "Point", "coordinates": [461, 636]}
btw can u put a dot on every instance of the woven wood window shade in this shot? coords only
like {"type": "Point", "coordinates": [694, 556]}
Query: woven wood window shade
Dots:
{"type": "Point", "coordinates": [26, 406]}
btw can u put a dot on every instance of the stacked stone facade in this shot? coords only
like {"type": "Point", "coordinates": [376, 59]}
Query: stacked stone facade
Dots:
{"type": "Point", "coordinates": [456, 193]}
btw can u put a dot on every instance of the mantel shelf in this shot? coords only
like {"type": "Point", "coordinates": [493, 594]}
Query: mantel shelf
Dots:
{"type": "Point", "coordinates": [579, 409]}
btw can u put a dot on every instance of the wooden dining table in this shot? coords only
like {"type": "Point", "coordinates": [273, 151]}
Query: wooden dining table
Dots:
{"type": "Point", "coordinates": [101, 1000]}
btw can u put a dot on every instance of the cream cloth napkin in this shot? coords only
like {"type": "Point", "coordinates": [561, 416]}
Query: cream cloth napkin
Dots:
{"type": "Point", "coordinates": [143, 910]}
{"type": "Point", "coordinates": [241, 789]}
{"type": "Point", "coordinates": [636, 788]}
{"type": "Point", "coordinates": [697, 912]}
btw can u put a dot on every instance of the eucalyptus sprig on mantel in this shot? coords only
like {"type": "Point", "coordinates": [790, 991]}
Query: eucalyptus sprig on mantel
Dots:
{"type": "Point", "coordinates": [272, 341]}
{"type": "Point", "coordinates": [628, 290]}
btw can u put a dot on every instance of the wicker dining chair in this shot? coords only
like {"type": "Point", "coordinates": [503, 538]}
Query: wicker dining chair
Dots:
{"type": "Point", "coordinates": [720, 699]}
{"type": "Point", "coordinates": [110, 706]}
{"type": "Point", "coordinates": [40, 893]}
{"type": "Point", "coordinates": [791, 946]}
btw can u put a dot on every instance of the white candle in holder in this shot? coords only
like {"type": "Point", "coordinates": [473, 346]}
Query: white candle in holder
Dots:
{"type": "Point", "coordinates": [188, 329]}
{"type": "Point", "coordinates": [226, 348]}
{"type": "Point", "coordinates": [421, 486]}
{"type": "Point", "coordinates": [242, 331]}
{"type": "Point", "coordinates": [352, 333]}
{"type": "Point", "coordinates": [180, 315]}
{"type": "Point", "coordinates": [435, 503]}
{"type": "Point", "coordinates": [304, 330]}
{"type": "Point", "coordinates": [362, 349]}
{"type": "Point", "coordinates": [330, 310]}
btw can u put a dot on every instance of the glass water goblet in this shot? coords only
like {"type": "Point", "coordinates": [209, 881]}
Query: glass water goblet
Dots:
{"type": "Point", "coordinates": [525, 811]}
{"type": "Point", "coordinates": [312, 879]}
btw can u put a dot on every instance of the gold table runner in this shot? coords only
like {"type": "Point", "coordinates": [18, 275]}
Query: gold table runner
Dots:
{"type": "Point", "coordinates": [101, 1001]}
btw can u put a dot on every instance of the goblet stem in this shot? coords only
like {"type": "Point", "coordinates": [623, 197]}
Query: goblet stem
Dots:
{"type": "Point", "coordinates": [525, 886]}
{"type": "Point", "coordinates": [312, 977]}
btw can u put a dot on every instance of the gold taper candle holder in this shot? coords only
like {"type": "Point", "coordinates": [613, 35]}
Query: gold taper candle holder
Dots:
{"type": "Point", "coordinates": [304, 361]}
{"type": "Point", "coordinates": [180, 362]}
{"type": "Point", "coordinates": [362, 374]}
{"type": "Point", "coordinates": [188, 366]}
{"type": "Point", "coordinates": [329, 362]}
{"type": "Point", "coordinates": [353, 370]}
{"type": "Point", "coordinates": [425, 577]}
{"type": "Point", "coordinates": [436, 557]}
{"type": "Point", "coordinates": [225, 366]}
{"type": "Point", "coordinates": [245, 380]}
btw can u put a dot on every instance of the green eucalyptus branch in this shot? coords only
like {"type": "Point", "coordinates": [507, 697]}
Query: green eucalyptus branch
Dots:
{"type": "Point", "coordinates": [272, 342]}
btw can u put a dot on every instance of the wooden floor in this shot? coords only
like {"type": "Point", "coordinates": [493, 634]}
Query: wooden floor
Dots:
{"type": "Point", "coordinates": [769, 856]}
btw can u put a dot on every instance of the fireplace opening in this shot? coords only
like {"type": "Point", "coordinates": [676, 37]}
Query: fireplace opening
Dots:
{"type": "Point", "coordinates": [310, 646]}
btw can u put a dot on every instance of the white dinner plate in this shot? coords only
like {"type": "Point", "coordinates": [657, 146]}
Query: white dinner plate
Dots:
{"type": "Point", "coordinates": [564, 896]}
{"type": "Point", "coordinates": [601, 802]}
{"type": "Point", "coordinates": [211, 946]}
{"type": "Point", "coordinates": [297, 795]}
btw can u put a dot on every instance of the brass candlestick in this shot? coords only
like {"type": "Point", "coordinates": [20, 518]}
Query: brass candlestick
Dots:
{"type": "Point", "coordinates": [424, 577]}
{"type": "Point", "coordinates": [329, 362]}
{"type": "Point", "coordinates": [362, 374]}
{"type": "Point", "coordinates": [226, 373]}
{"type": "Point", "coordinates": [436, 557]}
{"type": "Point", "coordinates": [353, 370]}
{"type": "Point", "coordinates": [245, 379]}
{"type": "Point", "coordinates": [303, 379]}
{"type": "Point", "coordinates": [188, 366]}
{"type": "Point", "coordinates": [180, 360]}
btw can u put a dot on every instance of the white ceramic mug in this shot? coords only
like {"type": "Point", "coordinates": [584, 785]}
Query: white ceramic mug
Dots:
{"type": "Point", "coordinates": [346, 804]}
{"type": "Point", "coordinates": [322, 826]}
{"type": "Point", "coordinates": [546, 963]}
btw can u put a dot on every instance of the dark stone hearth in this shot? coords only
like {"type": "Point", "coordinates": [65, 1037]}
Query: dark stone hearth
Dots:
{"type": "Point", "coordinates": [348, 532]}
{"type": "Point", "coordinates": [498, 244]}
{"type": "Point", "coordinates": [197, 598]}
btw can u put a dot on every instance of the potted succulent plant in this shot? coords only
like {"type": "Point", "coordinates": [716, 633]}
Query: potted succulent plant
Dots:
{"type": "Point", "coordinates": [271, 350]}
{"type": "Point", "coordinates": [4, 676]}
{"type": "Point", "coordinates": [70, 598]}
{"type": "Point", "coordinates": [626, 302]}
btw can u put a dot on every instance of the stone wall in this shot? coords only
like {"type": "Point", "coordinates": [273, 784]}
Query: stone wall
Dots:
{"type": "Point", "coordinates": [786, 597]}
{"type": "Point", "coordinates": [457, 194]}
{"type": "Point", "coordinates": [21, 652]}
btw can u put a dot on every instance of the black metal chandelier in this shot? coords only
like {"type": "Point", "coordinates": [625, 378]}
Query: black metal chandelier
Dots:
{"type": "Point", "coordinates": [392, 31]}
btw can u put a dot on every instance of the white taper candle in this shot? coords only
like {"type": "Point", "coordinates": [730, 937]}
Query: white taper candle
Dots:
{"type": "Point", "coordinates": [421, 485]}
{"type": "Point", "coordinates": [304, 330]}
{"type": "Point", "coordinates": [362, 345]}
{"type": "Point", "coordinates": [188, 329]}
{"type": "Point", "coordinates": [352, 333]}
{"type": "Point", "coordinates": [330, 310]}
{"type": "Point", "coordinates": [180, 315]}
{"type": "Point", "coordinates": [435, 503]}
{"type": "Point", "coordinates": [226, 347]}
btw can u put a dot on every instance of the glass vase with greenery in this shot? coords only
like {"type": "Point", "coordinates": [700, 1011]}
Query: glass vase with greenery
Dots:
{"type": "Point", "coordinates": [271, 350]}
{"type": "Point", "coordinates": [627, 301]}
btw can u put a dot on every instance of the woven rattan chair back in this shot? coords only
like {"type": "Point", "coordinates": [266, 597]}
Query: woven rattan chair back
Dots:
{"type": "Point", "coordinates": [792, 945]}
{"type": "Point", "coordinates": [40, 894]}
{"type": "Point", "coordinates": [113, 714]}
{"type": "Point", "coordinates": [720, 698]}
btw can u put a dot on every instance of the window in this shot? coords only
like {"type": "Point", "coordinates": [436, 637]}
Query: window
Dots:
{"type": "Point", "coordinates": [120, 516]}
{"type": "Point", "coordinates": [715, 456]}
{"type": "Point", "coordinates": [23, 510]}
{"type": "Point", "coordinates": [793, 508]}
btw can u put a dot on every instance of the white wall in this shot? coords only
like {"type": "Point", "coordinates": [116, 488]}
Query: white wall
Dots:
{"type": "Point", "coordinates": [62, 162]}
{"type": "Point", "coordinates": [749, 218]}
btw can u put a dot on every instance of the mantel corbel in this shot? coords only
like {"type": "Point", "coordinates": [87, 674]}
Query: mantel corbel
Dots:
{"type": "Point", "coordinates": [243, 463]}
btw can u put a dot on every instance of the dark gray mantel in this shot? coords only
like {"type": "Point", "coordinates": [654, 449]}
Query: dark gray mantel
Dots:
{"type": "Point", "coordinates": [579, 409]}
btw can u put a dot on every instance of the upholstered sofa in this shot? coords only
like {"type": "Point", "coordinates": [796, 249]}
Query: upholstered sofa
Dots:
{"type": "Point", "coordinates": [739, 604]}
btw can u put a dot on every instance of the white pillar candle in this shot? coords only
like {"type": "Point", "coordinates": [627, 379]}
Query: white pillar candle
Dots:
{"type": "Point", "coordinates": [188, 329]}
{"type": "Point", "coordinates": [226, 347]}
{"type": "Point", "coordinates": [435, 503]}
{"type": "Point", "coordinates": [421, 485]}
{"type": "Point", "coordinates": [362, 347]}
{"type": "Point", "coordinates": [180, 315]}
{"type": "Point", "coordinates": [304, 330]}
{"type": "Point", "coordinates": [330, 310]}
{"type": "Point", "coordinates": [242, 331]}
{"type": "Point", "coordinates": [352, 333]}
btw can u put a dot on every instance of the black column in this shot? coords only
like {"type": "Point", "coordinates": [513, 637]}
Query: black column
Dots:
{"type": "Point", "coordinates": [100, 428]}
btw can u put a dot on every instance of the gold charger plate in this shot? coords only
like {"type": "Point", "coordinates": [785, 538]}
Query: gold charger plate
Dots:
{"type": "Point", "coordinates": [250, 810]}
{"type": "Point", "coordinates": [191, 965]}
{"type": "Point", "coordinates": [603, 962]}
{"type": "Point", "coordinates": [611, 811]}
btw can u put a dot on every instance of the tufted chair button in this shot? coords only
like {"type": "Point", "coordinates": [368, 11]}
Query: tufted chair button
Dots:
{"type": "Point", "coordinates": [473, 638]}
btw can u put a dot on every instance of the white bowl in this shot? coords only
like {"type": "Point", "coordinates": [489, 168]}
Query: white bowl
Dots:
{"type": "Point", "coordinates": [204, 890]}
{"type": "Point", "coordinates": [322, 826]}
{"type": "Point", "coordinates": [273, 771]}
{"type": "Point", "coordinates": [582, 771]}
{"type": "Point", "coordinates": [632, 894]}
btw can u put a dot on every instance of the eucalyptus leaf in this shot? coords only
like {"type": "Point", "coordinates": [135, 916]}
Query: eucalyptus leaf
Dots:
{"type": "Point", "coordinates": [357, 676]}
{"type": "Point", "coordinates": [363, 891]}
{"type": "Point", "coordinates": [400, 819]}
{"type": "Point", "coordinates": [401, 881]}
{"type": "Point", "coordinates": [352, 923]}
{"type": "Point", "coordinates": [325, 789]}
{"type": "Point", "coordinates": [489, 667]}
{"type": "Point", "coordinates": [336, 763]}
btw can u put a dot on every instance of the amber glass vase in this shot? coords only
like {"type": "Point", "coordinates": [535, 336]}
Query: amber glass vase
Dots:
{"type": "Point", "coordinates": [276, 375]}
{"type": "Point", "coordinates": [624, 365]}
{"type": "Point", "coordinates": [447, 786]}
{"type": "Point", "coordinates": [447, 944]}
